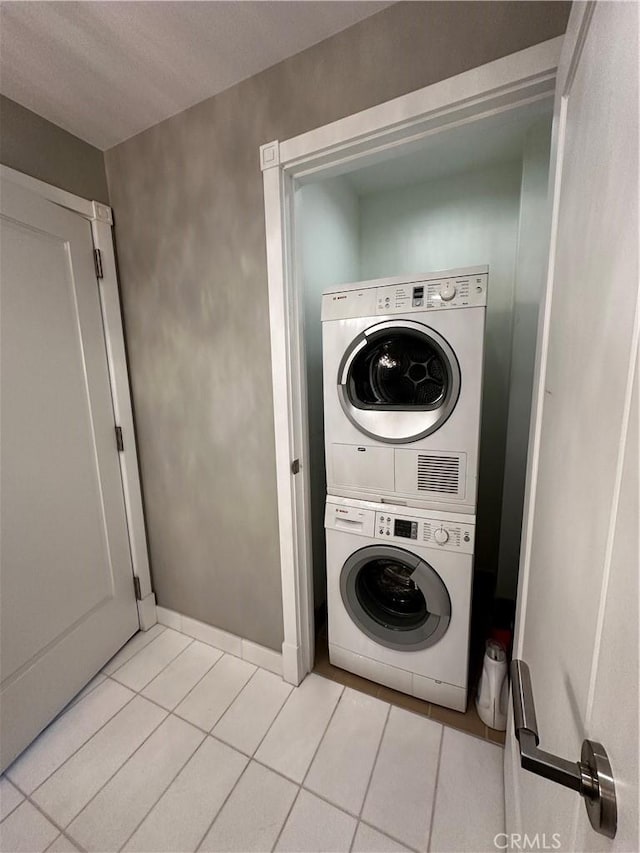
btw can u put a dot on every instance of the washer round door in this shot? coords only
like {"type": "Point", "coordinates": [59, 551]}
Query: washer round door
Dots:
{"type": "Point", "coordinates": [395, 597]}
{"type": "Point", "coordinates": [399, 381]}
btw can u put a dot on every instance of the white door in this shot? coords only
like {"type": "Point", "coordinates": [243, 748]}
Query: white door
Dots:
{"type": "Point", "coordinates": [67, 595]}
{"type": "Point", "coordinates": [577, 625]}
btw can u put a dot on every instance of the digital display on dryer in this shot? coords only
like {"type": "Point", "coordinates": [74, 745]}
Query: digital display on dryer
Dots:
{"type": "Point", "coordinates": [406, 529]}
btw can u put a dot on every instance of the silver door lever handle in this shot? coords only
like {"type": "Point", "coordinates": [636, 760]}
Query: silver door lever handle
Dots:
{"type": "Point", "coordinates": [591, 777]}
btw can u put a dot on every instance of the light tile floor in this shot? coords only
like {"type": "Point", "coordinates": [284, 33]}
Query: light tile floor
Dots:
{"type": "Point", "coordinates": [177, 746]}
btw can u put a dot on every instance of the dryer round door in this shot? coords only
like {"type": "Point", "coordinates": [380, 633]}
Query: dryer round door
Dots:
{"type": "Point", "coordinates": [399, 381]}
{"type": "Point", "coordinates": [395, 598]}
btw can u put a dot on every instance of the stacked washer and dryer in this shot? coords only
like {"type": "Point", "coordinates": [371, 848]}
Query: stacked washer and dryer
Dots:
{"type": "Point", "coordinates": [402, 363]}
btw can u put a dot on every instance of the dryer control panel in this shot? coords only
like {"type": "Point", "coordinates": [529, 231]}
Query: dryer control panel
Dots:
{"type": "Point", "coordinates": [429, 532]}
{"type": "Point", "coordinates": [464, 291]}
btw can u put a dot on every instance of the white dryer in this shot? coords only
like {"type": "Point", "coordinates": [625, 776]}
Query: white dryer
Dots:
{"type": "Point", "coordinates": [399, 597]}
{"type": "Point", "coordinates": [402, 364]}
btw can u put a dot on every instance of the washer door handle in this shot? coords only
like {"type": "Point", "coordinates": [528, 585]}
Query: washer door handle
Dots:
{"type": "Point", "coordinates": [591, 777]}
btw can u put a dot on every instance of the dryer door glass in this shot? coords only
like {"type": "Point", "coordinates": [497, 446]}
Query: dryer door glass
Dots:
{"type": "Point", "coordinates": [389, 595]}
{"type": "Point", "coordinates": [399, 368]}
{"type": "Point", "coordinates": [395, 598]}
{"type": "Point", "coordinates": [399, 381]}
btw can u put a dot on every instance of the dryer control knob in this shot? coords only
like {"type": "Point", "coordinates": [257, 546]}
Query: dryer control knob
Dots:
{"type": "Point", "coordinates": [441, 536]}
{"type": "Point", "coordinates": [448, 291]}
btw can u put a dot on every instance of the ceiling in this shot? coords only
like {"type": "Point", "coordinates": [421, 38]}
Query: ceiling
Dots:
{"type": "Point", "coordinates": [496, 138]}
{"type": "Point", "coordinates": [107, 70]}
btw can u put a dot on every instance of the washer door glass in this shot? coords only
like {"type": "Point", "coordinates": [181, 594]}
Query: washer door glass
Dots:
{"type": "Point", "coordinates": [399, 381]}
{"type": "Point", "coordinates": [395, 598]}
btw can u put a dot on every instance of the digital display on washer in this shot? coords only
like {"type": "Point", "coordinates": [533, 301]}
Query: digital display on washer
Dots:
{"type": "Point", "coordinates": [407, 529]}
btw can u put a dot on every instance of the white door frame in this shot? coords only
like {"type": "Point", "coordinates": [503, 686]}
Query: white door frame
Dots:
{"type": "Point", "coordinates": [101, 220]}
{"type": "Point", "coordinates": [504, 84]}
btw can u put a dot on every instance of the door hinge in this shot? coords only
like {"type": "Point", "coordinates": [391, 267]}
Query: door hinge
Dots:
{"type": "Point", "coordinates": [136, 588]}
{"type": "Point", "coordinates": [97, 260]}
{"type": "Point", "coordinates": [295, 466]}
{"type": "Point", "coordinates": [119, 439]}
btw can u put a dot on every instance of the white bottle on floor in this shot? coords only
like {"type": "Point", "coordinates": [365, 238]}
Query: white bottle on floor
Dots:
{"type": "Point", "coordinates": [493, 690]}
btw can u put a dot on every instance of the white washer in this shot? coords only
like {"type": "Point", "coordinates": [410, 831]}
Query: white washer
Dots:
{"type": "Point", "coordinates": [399, 597]}
{"type": "Point", "coordinates": [402, 360]}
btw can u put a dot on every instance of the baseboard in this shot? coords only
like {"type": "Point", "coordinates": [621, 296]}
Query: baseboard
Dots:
{"type": "Point", "coordinates": [230, 643]}
{"type": "Point", "coordinates": [293, 671]}
{"type": "Point", "coordinates": [147, 612]}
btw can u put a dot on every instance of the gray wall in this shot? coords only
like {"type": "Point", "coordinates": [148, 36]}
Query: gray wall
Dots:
{"type": "Point", "coordinates": [35, 146]}
{"type": "Point", "coordinates": [187, 197]}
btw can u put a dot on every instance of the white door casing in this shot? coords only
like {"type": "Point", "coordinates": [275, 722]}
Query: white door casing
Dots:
{"type": "Point", "coordinates": [366, 137]}
{"type": "Point", "coordinates": [68, 599]}
{"type": "Point", "coordinates": [577, 624]}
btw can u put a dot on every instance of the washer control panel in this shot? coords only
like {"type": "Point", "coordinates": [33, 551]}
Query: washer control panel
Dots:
{"type": "Point", "coordinates": [430, 532]}
{"type": "Point", "coordinates": [435, 294]}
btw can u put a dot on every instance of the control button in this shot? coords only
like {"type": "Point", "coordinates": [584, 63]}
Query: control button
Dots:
{"type": "Point", "coordinates": [448, 291]}
{"type": "Point", "coordinates": [441, 536]}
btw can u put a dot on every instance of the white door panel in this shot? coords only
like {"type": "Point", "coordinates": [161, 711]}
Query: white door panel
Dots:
{"type": "Point", "coordinates": [613, 699]}
{"type": "Point", "coordinates": [67, 589]}
{"type": "Point", "coordinates": [578, 607]}
{"type": "Point", "coordinates": [572, 595]}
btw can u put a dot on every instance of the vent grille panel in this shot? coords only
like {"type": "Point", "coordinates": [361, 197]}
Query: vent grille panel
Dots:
{"type": "Point", "coordinates": [438, 474]}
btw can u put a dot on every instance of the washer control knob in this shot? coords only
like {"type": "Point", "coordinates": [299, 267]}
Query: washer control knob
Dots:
{"type": "Point", "coordinates": [441, 536]}
{"type": "Point", "coordinates": [448, 291]}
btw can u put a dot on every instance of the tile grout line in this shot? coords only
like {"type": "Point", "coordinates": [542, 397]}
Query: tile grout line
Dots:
{"type": "Point", "coordinates": [208, 731]}
{"type": "Point", "coordinates": [164, 628]}
{"type": "Point", "coordinates": [375, 761]}
{"type": "Point", "coordinates": [205, 733]}
{"type": "Point", "coordinates": [165, 789]}
{"type": "Point", "coordinates": [251, 755]}
{"type": "Point", "coordinates": [17, 805]}
{"type": "Point", "coordinates": [127, 760]}
{"type": "Point", "coordinates": [304, 778]}
{"type": "Point", "coordinates": [269, 727]}
{"type": "Point", "coordinates": [167, 715]}
{"type": "Point", "coordinates": [210, 734]}
{"type": "Point", "coordinates": [485, 735]}
{"type": "Point", "coordinates": [49, 819]}
{"type": "Point", "coordinates": [70, 840]}
{"type": "Point", "coordinates": [234, 700]}
{"type": "Point", "coordinates": [389, 836]}
{"type": "Point", "coordinates": [144, 686]}
{"type": "Point", "coordinates": [322, 736]}
{"type": "Point", "coordinates": [191, 689]}
{"type": "Point", "coordinates": [373, 767]}
{"type": "Point", "coordinates": [75, 751]}
{"type": "Point", "coordinates": [77, 699]}
{"type": "Point", "coordinates": [435, 791]}
{"type": "Point", "coordinates": [222, 805]}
